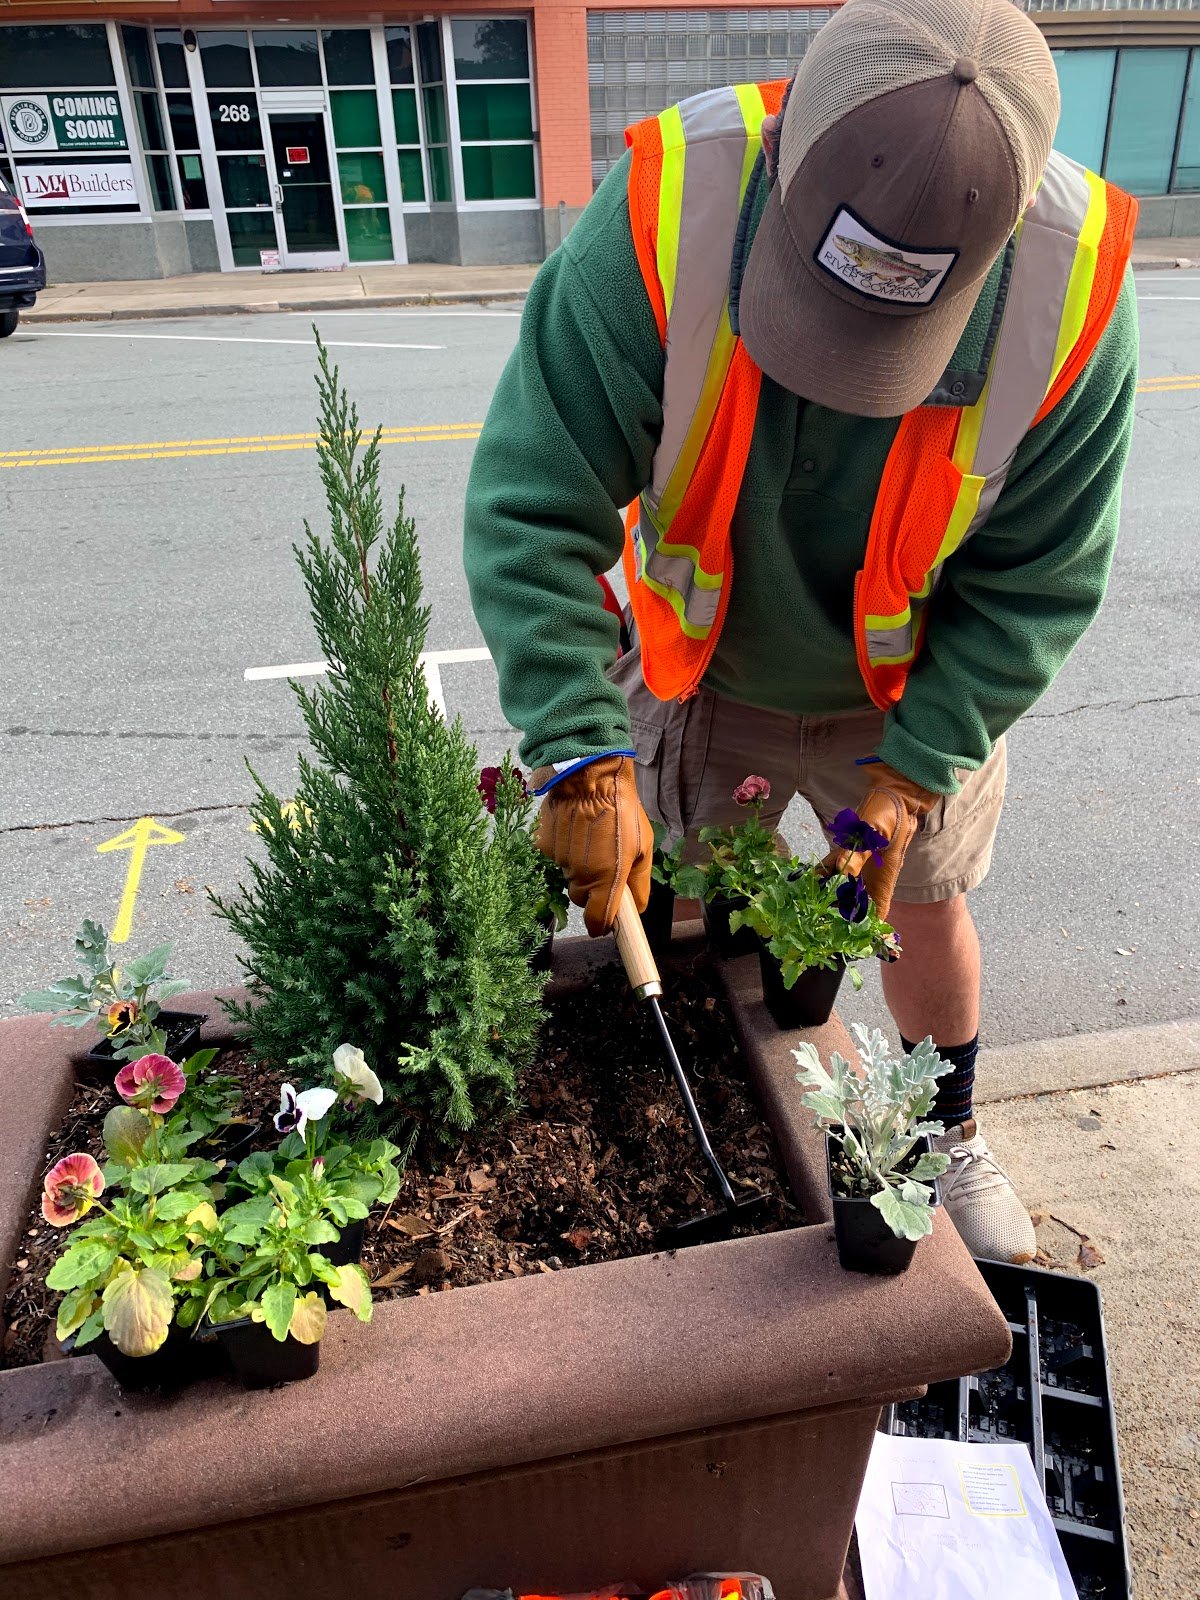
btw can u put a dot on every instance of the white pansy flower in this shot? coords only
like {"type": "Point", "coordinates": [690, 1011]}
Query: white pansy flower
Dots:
{"type": "Point", "coordinates": [361, 1083]}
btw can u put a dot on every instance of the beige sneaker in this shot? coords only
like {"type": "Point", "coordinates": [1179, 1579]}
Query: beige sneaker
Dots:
{"type": "Point", "coordinates": [980, 1199]}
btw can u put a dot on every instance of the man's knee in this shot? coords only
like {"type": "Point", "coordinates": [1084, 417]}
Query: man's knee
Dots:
{"type": "Point", "coordinates": [918, 920]}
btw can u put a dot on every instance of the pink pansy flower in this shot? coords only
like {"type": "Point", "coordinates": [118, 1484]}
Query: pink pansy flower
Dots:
{"type": "Point", "coordinates": [69, 1189]}
{"type": "Point", "coordinates": [751, 789]}
{"type": "Point", "coordinates": [153, 1083]}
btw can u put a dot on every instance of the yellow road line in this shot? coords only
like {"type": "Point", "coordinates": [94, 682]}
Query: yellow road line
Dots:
{"type": "Point", "coordinates": [1165, 388]}
{"type": "Point", "coordinates": [97, 455]}
{"type": "Point", "coordinates": [253, 438]}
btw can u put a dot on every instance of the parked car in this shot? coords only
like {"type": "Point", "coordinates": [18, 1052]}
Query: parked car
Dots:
{"type": "Point", "coordinates": [22, 265]}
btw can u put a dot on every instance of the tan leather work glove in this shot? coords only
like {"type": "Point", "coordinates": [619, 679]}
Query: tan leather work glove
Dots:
{"type": "Point", "coordinates": [593, 825]}
{"type": "Point", "coordinates": [893, 807]}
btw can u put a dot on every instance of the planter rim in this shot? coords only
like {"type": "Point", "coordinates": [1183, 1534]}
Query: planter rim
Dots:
{"type": "Point", "coordinates": [484, 1378]}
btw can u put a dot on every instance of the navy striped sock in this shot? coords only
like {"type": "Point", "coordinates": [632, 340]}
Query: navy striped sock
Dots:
{"type": "Point", "coordinates": [953, 1101]}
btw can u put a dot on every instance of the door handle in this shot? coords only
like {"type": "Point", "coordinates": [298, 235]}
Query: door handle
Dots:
{"type": "Point", "coordinates": [279, 197]}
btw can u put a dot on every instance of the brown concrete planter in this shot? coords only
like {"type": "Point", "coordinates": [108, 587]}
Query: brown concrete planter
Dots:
{"type": "Point", "coordinates": [710, 1409]}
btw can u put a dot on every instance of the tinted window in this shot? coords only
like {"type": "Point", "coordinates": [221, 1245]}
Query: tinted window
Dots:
{"type": "Point", "coordinates": [286, 59]}
{"type": "Point", "coordinates": [172, 62]}
{"type": "Point", "coordinates": [55, 56]}
{"type": "Point", "coordinates": [497, 48]}
{"type": "Point", "coordinates": [399, 54]}
{"type": "Point", "coordinates": [348, 55]}
{"type": "Point", "coordinates": [226, 58]}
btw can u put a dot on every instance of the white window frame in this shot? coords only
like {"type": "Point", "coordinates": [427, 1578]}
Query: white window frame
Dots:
{"type": "Point", "coordinates": [456, 145]}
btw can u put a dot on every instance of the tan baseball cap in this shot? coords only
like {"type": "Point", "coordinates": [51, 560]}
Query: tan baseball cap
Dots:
{"type": "Point", "coordinates": [915, 134]}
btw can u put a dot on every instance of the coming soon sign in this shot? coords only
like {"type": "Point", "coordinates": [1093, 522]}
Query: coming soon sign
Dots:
{"type": "Point", "coordinates": [36, 123]}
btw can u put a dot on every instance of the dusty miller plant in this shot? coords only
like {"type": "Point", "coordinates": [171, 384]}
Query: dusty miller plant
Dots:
{"type": "Point", "coordinates": [385, 911]}
{"type": "Point", "coordinates": [875, 1116]}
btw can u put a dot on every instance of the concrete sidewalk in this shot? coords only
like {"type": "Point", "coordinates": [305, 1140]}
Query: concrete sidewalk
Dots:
{"type": "Point", "coordinates": [209, 293]}
{"type": "Point", "coordinates": [349, 288]}
{"type": "Point", "coordinates": [1101, 1134]}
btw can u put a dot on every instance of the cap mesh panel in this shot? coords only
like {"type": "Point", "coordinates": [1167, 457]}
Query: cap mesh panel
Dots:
{"type": "Point", "coordinates": [872, 47]}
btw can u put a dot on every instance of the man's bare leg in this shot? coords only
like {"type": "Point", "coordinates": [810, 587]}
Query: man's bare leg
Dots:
{"type": "Point", "coordinates": [934, 987]}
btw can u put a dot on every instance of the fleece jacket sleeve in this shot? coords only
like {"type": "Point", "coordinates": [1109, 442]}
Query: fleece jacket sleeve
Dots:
{"type": "Point", "coordinates": [568, 441]}
{"type": "Point", "coordinates": [1018, 596]}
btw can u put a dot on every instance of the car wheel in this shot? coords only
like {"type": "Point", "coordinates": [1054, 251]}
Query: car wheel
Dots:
{"type": "Point", "coordinates": [8, 323]}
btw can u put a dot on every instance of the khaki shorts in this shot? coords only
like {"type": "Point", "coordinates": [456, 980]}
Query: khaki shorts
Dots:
{"type": "Point", "coordinates": [690, 757]}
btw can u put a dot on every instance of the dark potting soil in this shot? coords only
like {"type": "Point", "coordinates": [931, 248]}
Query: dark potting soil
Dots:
{"type": "Point", "coordinates": [595, 1163]}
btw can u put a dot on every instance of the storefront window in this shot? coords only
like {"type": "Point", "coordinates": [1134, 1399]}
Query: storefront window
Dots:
{"type": "Point", "coordinates": [348, 56]}
{"type": "Point", "coordinates": [250, 233]}
{"type": "Point", "coordinates": [287, 60]}
{"type": "Point", "coordinates": [1187, 160]}
{"type": "Point", "coordinates": [369, 234]}
{"type": "Point", "coordinates": [495, 108]}
{"type": "Point", "coordinates": [433, 99]}
{"type": "Point", "coordinates": [355, 118]}
{"type": "Point", "coordinates": [172, 59]}
{"type": "Point", "coordinates": [403, 77]}
{"type": "Point", "coordinates": [55, 56]}
{"type": "Point", "coordinates": [226, 59]}
{"type": "Point", "coordinates": [1145, 118]}
{"type": "Point", "coordinates": [1085, 81]}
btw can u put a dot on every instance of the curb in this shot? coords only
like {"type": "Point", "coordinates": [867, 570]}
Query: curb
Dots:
{"type": "Point", "coordinates": [1160, 263]}
{"type": "Point", "coordinates": [335, 303]}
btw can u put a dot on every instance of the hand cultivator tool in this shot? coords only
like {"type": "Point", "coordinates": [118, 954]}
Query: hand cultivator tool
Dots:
{"type": "Point", "coordinates": [644, 980]}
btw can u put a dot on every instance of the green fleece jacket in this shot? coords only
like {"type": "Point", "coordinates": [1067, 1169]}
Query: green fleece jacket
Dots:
{"type": "Point", "coordinates": [570, 437]}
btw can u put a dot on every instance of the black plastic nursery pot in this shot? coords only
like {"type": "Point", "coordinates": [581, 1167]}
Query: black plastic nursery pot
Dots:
{"type": "Point", "coordinates": [809, 1002]}
{"type": "Point", "coordinates": [658, 917]}
{"type": "Point", "coordinates": [257, 1359]}
{"type": "Point", "coordinates": [865, 1243]}
{"type": "Point", "coordinates": [181, 1359]}
{"type": "Point", "coordinates": [348, 1247]}
{"type": "Point", "coordinates": [716, 913]}
{"type": "Point", "coordinates": [182, 1029]}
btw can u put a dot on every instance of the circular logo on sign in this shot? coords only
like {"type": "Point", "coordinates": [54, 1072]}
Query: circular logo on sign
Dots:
{"type": "Point", "coordinates": [28, 121]}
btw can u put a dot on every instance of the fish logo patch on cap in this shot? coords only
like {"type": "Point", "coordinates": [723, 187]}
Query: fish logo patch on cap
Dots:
{"type": "Point", "coordinates": [878, 267]}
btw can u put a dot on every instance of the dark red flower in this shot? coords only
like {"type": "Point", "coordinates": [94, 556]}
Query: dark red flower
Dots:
{"type": "Point", "coordinates": [490, 779]}
{"type": "Point", "coordinates": [751, 789]}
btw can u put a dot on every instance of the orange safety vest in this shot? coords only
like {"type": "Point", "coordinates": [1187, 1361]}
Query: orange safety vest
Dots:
{"type": "Point", "coordinates": [689, 195]}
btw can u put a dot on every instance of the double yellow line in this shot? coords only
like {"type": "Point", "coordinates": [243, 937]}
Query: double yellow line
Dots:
{"type": "Point", "coordinates": [1169, 383]}
{"type": "Point", "coordinates": [256, 444]}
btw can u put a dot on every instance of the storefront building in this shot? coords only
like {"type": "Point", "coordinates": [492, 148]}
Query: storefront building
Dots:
{"type": "Point", "coordinates": [220, 134]}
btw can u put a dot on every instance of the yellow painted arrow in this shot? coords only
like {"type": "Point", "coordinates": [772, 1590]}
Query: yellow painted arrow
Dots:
{"type": "Point", "coordinates": [137, 840]}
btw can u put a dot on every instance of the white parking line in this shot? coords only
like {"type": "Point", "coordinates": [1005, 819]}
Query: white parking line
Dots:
{"type": "Point", "coordinates": [431, 664]}
{"type": "Point", "coordinates": [215, 338]}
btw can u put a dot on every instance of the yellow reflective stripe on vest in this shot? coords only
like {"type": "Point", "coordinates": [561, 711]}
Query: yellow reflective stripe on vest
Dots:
{"type": "Point", "coordinates": [1083, 274]}
{"type": "Point", "coordinates": [674, 573]}
{"type": "Point", "coordinates": [670, 201]}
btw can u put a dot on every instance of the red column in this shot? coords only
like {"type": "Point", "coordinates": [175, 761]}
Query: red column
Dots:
{"type": "Point", "coordinates": [560, 51]}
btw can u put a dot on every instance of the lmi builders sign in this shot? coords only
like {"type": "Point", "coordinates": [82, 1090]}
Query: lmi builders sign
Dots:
{"type": "Point", "coordinates": [35, 124]}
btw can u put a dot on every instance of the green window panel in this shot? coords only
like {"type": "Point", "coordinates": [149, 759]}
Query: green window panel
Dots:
{"type": "Point", "coordinates": [495, 111]}
{"type": "Point", "coordinates": [498, 172]}
{"type": "Point", "coordinates": [137, 54]}
{"type": "Point", "coordinates": [412, 178]}
{"type": "Point", "coordinates": [172, 58]}
{"type": "Point", "coordinates": [355, 117]}
{"type": "Point", "coordinates": [235, 124]}
{"type": "Point", "coordinates": [287, 58]}
{"type": "Point", "coordinates": [400, 54]}
{"type": "Point", "coordinates": [162, 196]}
{"type": "Point", "coordinates": [250, 232]}
{"type": "Point", "coordinates": [435, 115]}
{"type": "Point", "coordinates": [404, 108]}
{"type": "Point", "coordinates": [1187, 162]}
{"type": "Point", "coordinates": [244, 180]}
{"type": "Point", "coordinates": [1145, 118]}
{"type": "Point", "coordinates": [38, 55]}
{"type": "Point", "coordinates": [150, 122]}
{"type": "Point", "coordinates": [191, 183]}
{"type": "Point", "coordinates": [182, 117]}
{"type": "Point", "coordinates": [1085, 83]}
{"type": "Point", "coordinates": [348, 55]}
{"type": "Point", "coordinates": [495, 48]}
{"type": "Point", "coordinates": [439, 172]}
{"type": "Point", "coordinates": [369, 234]}
{"type": "Point", "coordinates": [363, 182]}
{"type": "Point", "coordinates": [225, 57]}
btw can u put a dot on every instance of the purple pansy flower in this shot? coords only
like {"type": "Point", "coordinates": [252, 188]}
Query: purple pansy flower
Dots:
{"type": "Point", "coordinates": [852, 900]}
{"type": "Point", "coordinates": [850, 832]}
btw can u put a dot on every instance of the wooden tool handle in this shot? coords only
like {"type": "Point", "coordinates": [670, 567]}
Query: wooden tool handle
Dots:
{"type": "Point", "coordinates": [636, 955]}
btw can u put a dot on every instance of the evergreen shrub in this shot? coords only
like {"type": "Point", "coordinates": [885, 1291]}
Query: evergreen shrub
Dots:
{"type": "Point", "coordinates": [388, 910]}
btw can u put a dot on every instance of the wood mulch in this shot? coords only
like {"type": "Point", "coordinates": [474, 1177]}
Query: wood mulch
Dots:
{"type": "Point", "coordinates": [592, 1167]}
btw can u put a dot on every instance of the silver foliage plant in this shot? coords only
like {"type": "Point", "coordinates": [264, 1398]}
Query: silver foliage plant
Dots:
{"type": "Point", "coordinates": [876, 1113]}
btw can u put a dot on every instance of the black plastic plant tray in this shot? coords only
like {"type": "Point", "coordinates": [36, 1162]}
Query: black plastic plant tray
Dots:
{"type": "Point", "coordinates": [1054, 1397]}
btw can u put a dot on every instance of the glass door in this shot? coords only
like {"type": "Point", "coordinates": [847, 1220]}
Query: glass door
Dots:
{"type": "Point", "coordinates": [304, 199]}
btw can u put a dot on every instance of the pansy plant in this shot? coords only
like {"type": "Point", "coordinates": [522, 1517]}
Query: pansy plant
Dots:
{"type": "Point", "coordinates": [809, 920]}
{"type": "Point", "coordinates": [742, 853]}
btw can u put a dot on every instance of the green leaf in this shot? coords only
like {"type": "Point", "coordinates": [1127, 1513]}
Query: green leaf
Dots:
{"type": "Point", "coordinates": [352, 1289]}
{"type": "Point", "coordinates": [188, 1314]}
{"type": "Point", "coordinates": [160, 1175]}
{"type": "Point", "coordinates": [173, 986]}
{"type": "Point", "coordinates": [255, 1171]}
{"type": "Point", "coordinates": [929, 1166]}
{"type": "Point", "coordinates": [178, 1203]}
{"type": "Point", "coordinates": [197, 1062]}
{"type": "Point", "coordinates": [308, 1319]}
{"type": "Point", "coordinates": [91, 1329]}
{"type": "Point", "coordinates": [278, 1303]}
{"type": "Point", "coordinates": [137, 1311]}
{"type": "Point", "coordinates": [75, 1309]}
{"type": "Point", "coordinates": [148, 969]}
{"type": "Point", "coordinates": [690, 883]}
{"type": "Point", "coordinates": [906, 1220]}
{"type": "Point", "coordinates": [318, 1231]}
{"type": "Point", "coordinates": [323, 1269]}
{"type": "Point", "coordinates": [126, 1132]}
{"type": "Point", "coordinates": [66, 993]}
{"type": "Point", "coordinates": [81, 1264]}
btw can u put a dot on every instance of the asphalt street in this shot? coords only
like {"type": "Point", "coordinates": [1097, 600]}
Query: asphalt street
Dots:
{"type": "Point", "coordinates": [153, 479]}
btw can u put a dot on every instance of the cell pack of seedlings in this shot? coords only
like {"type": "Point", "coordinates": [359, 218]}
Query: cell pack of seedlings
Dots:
{"type": "Point", "coordinates": [1054, 1397]}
